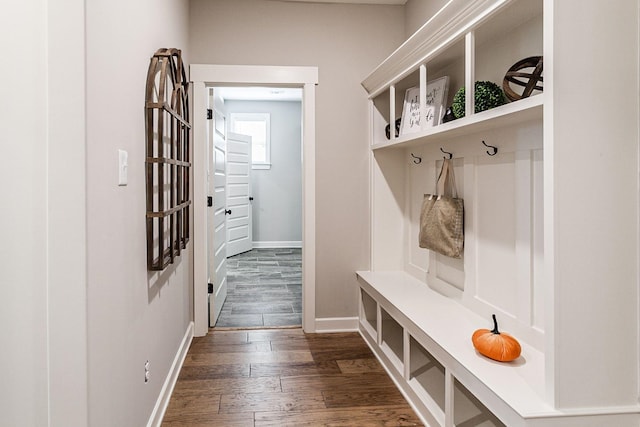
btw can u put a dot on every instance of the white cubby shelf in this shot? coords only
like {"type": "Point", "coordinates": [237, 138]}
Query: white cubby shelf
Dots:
{"type": "Point", "coordinates": [513, 113]}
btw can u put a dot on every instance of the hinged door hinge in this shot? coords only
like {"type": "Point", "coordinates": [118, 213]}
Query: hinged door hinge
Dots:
{"type": "Point", "coordinates": [210, 289]}
{"type": "Point", "coordinates": [209, 201]}
{"type": "Point", "coordinates": [209, 114]}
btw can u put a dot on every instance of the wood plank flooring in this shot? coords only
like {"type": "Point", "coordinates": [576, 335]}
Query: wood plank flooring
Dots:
{"type": "Point", "coordinates": [284, 377]}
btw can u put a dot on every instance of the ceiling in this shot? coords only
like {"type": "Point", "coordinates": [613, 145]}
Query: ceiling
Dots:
{"type": "Point", "coordinates": [396, 2]}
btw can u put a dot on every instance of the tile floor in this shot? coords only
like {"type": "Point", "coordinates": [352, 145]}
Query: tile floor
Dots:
{"type": "Point", "coordinates": [264, 289]}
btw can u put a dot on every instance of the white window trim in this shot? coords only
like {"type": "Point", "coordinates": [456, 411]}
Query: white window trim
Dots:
{"type": "Point", "coordinates": [266, 117]}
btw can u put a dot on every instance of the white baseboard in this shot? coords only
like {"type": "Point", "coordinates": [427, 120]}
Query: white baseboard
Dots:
{"type": "Point", "coordinates": [337, 324]}
{"type": "Point", "coordinates": [170, 382]}
{"type": "Point", "coordinates": [279, 244]}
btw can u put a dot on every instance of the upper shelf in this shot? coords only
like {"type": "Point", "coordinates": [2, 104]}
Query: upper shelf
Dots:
{"type": "Point", "coordinates": [524, 110]}
{"type": "Point", "coordinates": [430, 44]}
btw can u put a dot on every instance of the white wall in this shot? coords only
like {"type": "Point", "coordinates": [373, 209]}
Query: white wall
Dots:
{"type": "Point", "coordinates": [277, 192]}
{"type": "Point", "coordinates": [591, 199]}
{"type": "Point", "coordinates": [80, 314]}
{"type": "Point", "coordinates": [43, 253]}
{"type": "Point", "coordinates": [133, 315]}
{"type": "Point", "coordinates": [417, 12]}
{"type": "Point", "coordinates": [346, 42]}
{"type": "Point", "coordinates": [67, 244]}
{"type": "Point", "coordinates": [23, 390]}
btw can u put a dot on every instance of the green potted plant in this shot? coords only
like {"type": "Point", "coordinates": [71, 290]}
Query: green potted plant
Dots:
{"type": "Point", "coordinates": [487, 95]}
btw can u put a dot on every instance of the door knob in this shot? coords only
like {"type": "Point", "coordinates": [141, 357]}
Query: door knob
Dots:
{"type": "Point", "coordinates": [227, 211]}
{"type": "Point", "coordinates": [250, 198]}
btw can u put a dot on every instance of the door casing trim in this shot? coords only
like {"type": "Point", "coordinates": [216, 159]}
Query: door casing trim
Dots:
{"type": "Point", "coordinates": [204, 76]}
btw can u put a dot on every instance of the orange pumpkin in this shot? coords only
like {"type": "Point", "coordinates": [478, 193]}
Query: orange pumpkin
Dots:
{"type": "Point", "coordinates": [496, 345]}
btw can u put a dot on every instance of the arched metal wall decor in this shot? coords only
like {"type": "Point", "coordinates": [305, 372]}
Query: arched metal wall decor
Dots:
{"type": "Point", "coordinates": [168, 158]}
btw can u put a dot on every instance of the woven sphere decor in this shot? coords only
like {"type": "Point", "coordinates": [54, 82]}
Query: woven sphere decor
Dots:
{"type": "Point", "coordinates": [525, 74]}
{"type": "Point", "coordinates": [487, 95]}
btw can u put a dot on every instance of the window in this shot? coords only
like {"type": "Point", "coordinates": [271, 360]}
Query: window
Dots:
{"type": "Point", "coordinates": [258, 126]}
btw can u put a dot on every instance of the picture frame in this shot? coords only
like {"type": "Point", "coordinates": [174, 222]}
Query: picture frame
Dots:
{"type": "Point", "coordinates": [437, 91]}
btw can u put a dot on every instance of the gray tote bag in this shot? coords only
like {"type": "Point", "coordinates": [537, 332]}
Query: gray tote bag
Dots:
{"type": "Point", "coordinates": [442, 216]}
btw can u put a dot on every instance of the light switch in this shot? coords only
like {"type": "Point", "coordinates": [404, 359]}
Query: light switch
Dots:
{"type": "Point", "coordinates": [123, 165]}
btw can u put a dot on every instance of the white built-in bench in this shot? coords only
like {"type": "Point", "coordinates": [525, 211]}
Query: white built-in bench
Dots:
{"type": "Point", "coordinates": [424, 341]}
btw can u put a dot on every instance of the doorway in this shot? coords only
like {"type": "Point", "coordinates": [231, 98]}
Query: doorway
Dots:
{"type": "Point", "coordinates": [207, 76]}
{"type": "Point", "coordinates": [264, 204]}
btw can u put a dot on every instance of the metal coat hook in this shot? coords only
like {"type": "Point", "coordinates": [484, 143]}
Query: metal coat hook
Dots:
{"type": "Point", "coordinates": [417, 160]}
{"type": "Point", "coordinates": [495, 149]}
{"type": "Point", "coordinates": [446, 152]}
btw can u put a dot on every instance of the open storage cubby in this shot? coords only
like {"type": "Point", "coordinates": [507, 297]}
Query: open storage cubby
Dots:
{"type": "Point", "coordinates": [427, 378]}
{"type": "Point", "coordinates": [419, 309]}
{"type": "Point", "coordinates": [392, 339]}
{"type": "Point", "coordinates": [369, 314]}
{"type": "Point", "coordinates": [469, 411]}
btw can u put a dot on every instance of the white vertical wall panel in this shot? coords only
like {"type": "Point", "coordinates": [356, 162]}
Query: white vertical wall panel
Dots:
{"type": "Point", "coordinates": [447, 274]}
{"type": "Point", "coordinates": [503, 263]}
{"type": "Point", "coordinates": [388, 201]}
{"type": "Point", "coordinates": [496, 231]}
{"type": "Point", "coordinates": [524, 234]}
{"type": "Point", "coordinates": [537, 302]}
{"type": "Point", "coordinates": [422, 180]}
{"type": "Point", "coordinates": [592, 201]}
{"type": "Point", "coordinates": [451, 270]}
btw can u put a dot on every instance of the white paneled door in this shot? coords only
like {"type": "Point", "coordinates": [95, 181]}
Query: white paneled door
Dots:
{"type": "Point", "coordinates": [216, 219]}
{"type": "Point", "coordinates": [239, 222]}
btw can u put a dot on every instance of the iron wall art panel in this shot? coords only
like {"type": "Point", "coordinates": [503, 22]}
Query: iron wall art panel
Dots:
{"type": "Point", "coordinates": [168, 158]}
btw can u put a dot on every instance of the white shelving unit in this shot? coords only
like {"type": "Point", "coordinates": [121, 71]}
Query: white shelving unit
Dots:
{"type": "Point", "coordinates": [419, 309]}
{"type": "Point", "coordinates": [425, 329]}
{"type": "Point", "coordinates": [528, 109]}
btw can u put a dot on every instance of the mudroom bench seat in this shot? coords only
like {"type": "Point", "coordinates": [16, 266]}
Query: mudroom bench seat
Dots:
{"type": "Point", "coordinates": [423, 339]}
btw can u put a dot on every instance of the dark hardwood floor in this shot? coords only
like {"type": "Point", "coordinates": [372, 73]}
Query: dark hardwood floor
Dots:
{"type": "Point", "coordinates": [284, 377]}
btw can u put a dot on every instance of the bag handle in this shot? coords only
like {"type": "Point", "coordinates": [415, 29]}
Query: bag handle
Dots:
{"type": "Point", "coordinates": [442, 178]}
{"type": "Point", "coordinates": [451, 178]}
{"type": "Point", "coordinates": [446, 183]}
